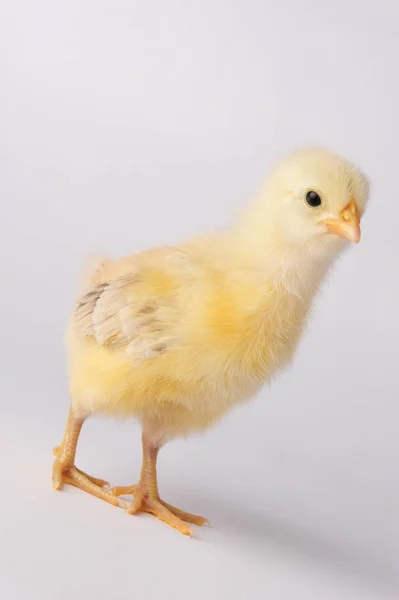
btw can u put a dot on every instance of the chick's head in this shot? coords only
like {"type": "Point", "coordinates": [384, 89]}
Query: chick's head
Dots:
{"type": "Point", "coordinates": [315, 199]}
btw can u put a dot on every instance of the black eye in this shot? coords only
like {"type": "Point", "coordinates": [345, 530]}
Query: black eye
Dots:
{"type": "Point", "coordinates": [313, 199]}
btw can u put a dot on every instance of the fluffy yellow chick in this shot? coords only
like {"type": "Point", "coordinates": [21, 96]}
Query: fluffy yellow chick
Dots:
{"type": "Point", "coordinates": [177, 336]}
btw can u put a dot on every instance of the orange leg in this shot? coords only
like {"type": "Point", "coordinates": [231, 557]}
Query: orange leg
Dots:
{"type": "Point", "coordinates": [64, 470]}
{"type": "Point", "coordinates": [146, 495]}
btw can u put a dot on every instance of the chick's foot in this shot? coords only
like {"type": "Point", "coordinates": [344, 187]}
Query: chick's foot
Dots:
{"type": "Point", "coordinates": [64, 472]}
{"type": "Point", "coordinates": [146, 501]}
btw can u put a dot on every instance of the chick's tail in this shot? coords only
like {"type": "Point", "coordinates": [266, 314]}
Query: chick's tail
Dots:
{"type": "Point", "coordinates": [94, 271]}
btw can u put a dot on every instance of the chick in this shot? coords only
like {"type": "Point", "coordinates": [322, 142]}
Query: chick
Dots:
{"type": "Point", "coordinates": [177, 336]}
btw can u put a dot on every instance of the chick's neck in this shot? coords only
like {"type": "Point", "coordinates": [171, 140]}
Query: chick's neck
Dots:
{"type": "Point", "coordinates": [260, 253]}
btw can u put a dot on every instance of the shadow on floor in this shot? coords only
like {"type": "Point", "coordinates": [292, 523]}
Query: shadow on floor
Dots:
{"type": "Point", "coordinates": [262, 532]}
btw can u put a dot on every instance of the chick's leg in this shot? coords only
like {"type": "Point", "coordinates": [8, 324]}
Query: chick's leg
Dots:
{"type": "Point", "coordinates": [64, 469]}
{"type": "Point", "coordinates": [146, 495]}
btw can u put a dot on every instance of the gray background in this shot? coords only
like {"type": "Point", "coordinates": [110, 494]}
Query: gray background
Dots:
{"type": "Point", "coordinates": [129, 124]}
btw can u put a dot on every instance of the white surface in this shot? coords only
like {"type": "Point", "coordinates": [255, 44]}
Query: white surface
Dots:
{"type": "Point", "coordinates": [129, 124]}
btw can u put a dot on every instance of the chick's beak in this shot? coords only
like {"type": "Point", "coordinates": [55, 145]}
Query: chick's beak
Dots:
{"type": "Point", "coordinates": [347, 226]}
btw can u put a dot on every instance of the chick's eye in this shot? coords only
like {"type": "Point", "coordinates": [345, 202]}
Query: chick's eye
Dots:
{"type": "Point", "coordinates": [313, 199]}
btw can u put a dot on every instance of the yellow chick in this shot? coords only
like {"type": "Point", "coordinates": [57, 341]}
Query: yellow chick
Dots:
{"type": "Point", "coordinates": [177, 336]}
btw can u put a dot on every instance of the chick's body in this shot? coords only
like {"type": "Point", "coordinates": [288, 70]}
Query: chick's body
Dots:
{"type": "Point", "coordinates": [177, 336]}
{"type": "Point", "coordinates": [187, 338]}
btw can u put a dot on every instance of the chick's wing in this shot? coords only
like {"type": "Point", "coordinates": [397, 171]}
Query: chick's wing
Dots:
{"type": "Point", "coordinates": [137, 312]}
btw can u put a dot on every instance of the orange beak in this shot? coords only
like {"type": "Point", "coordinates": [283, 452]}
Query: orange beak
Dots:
{"type": "Point", "coordinates": [348, 226]}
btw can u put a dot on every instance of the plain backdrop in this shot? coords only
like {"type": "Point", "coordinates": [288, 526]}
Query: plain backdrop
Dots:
{"type": "Point", "coordinates": [128, 124]}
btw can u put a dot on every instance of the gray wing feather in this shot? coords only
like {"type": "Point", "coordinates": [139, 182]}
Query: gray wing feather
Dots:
{"type": "Point", "coordinates": [111, 315]}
